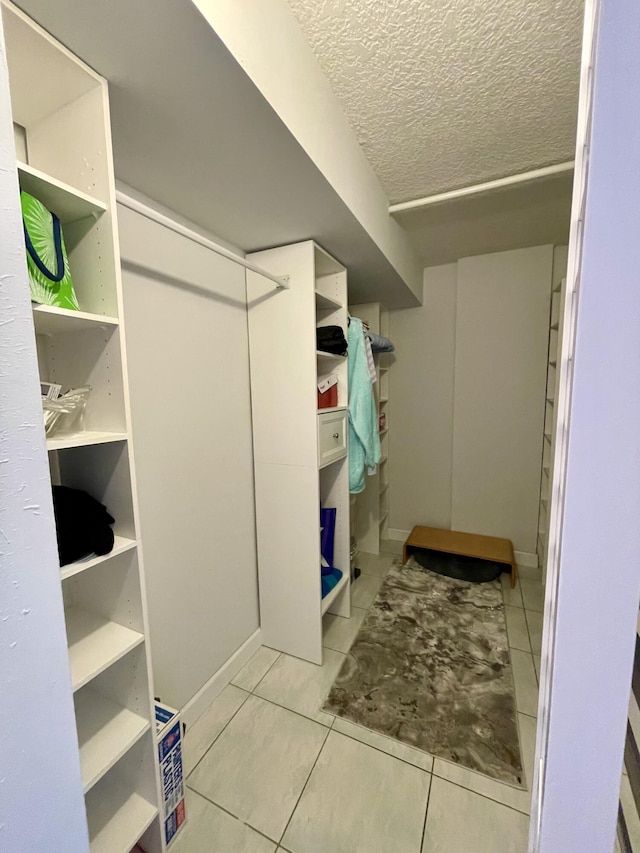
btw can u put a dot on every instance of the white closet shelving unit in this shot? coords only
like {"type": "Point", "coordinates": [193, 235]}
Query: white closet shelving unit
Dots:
{"type": "Point", "coordinates": [300, 453]}
{"type": "Point", "coordinates": [371, 509]}
{"type": "Point", "coordinates": [63, 143]}
{"type": "Point", "coordinates": [555, 348]}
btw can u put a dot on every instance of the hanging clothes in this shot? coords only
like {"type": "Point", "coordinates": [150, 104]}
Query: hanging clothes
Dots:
{"type": "Point", "coordinates": [373, 375]}
{"type": "Point", "coordinates": [364, 438]}
{"type": "Point", "coordinates": [380, 344]}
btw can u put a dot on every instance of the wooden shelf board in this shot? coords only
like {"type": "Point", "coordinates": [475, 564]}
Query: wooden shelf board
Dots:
{"type": "Point", "coordinates": [330, 355]}
{"type": "Point", "coordinates": [121, 830]}
{"type": "Point", "coordinates": [83, 438]}
{"type": "Point", "coordinates": [95, 643]}
{"type": "Point", "coordinates": [332, 409]}
{"type": "Point", "coordinates": [106, 731]}
{"type": "Point", "coordinates": [328, 600]}
{"type": "Point", "coordinates": [50, 320]}
{"type": "Point", "coordinates": [120, 545]}
{"type": "Point", "coordinates": [67, 202]}
{"type": "Point", "coordinates": [326, 303]}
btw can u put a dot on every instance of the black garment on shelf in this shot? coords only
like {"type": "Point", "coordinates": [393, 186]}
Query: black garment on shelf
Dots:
{"type": "Point", "coordinates": [82, 525]}
{"type": "Point", "coordinates": [331, 339]}
{"type": "Point", "coordinates": [458, 566]}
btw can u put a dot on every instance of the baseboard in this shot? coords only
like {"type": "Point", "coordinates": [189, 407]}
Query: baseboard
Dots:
{"type": "Point", "coordinates": [398, 535]}
{"type": "Point", "coordinates": [525, 558]}
{"type": "Point", "coordinates": [199, 703]}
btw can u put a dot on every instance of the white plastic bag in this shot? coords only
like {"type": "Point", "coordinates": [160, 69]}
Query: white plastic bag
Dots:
{"type": "Point", "coordinates": [71, 403]}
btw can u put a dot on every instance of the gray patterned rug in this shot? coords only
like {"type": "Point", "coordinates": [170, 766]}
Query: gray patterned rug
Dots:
{"type": "Point", "coordinates": [430, 667]}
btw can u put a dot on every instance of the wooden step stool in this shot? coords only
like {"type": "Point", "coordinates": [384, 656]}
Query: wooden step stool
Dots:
{"type": "Point", "coordinates": [464, 544]}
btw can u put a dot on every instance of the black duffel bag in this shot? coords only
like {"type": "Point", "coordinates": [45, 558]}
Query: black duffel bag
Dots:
{"type": "Point", "coordinates": [331, 339]}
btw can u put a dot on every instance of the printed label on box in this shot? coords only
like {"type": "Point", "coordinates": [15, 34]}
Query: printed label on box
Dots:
{"type": "Point", "coordinates": [171, 770]}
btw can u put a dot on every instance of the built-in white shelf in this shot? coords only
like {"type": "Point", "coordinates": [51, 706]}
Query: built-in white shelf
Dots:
{"type": "Point", "coordinates": [383, 459]}
{"type": "Point", "coordinates": [383, 369]}
{"type": "Point", "coordinates": [550, 401]}
{"type": "Point", "coordinates": [333, 461]}
{"type": "Point", "coordinates": [50, 320]}
{"type": "Point", "coordinates": [330, 356]}
{"type": "Point", "coordinates": [61, 107]}
{"type": "Point", "coordinates": [554, 326]}
{"type": "Point", "coordinates": [120, 545]}
{"type": "Point", "coordinates": [328, 600]}
{"type": "Point", "coordinates": [326, 303]}
{"type": "Point", "coordinates": [121, 829]}
{"type": "Point", "coordinates": [95, 643]}
{"type": "Point", "coordinates": [383, 400]}
{"type": "Point", "coordinates": [332, 409]}
{"type": "Point", "coordinates": [68, 203]}
{"type": "Point", "coordinates": [83, 438]}
{"type": "Point", "coordinates": [553, 362]}
{"type": "Point", "coordinates": [105, 732]}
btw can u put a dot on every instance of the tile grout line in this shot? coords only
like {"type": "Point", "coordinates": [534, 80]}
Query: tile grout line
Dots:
{"type": "Point", "coordinates": [304, 787]}
{"type": "Point", "coordinates": [382, 751]}
{"type": "Point", "coordinates": [193, 769]}
{"type": "Point", "coordinates": [297, 713]}
{"type": "Point", "coordinates": [231, 814]}
{"type": "Point", "coordinates": [426, 811]}
{"type": "Point", "coordinates": [262, 678]}
{"type": "Point", "coordinates": [484, 796]}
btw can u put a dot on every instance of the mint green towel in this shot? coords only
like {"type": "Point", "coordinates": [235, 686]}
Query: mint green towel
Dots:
{"type": "Point", "coordinates": [364, 438]}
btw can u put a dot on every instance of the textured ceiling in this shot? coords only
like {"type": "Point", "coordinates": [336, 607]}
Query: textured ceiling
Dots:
{"type": "Point", "coordinates": [447, 93]}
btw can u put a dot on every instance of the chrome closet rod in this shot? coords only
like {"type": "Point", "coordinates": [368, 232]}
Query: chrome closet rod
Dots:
{"type": "Point", "coordinates": [282, 283]}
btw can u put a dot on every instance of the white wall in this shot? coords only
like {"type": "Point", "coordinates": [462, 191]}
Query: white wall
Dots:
{"type": "Point", "coordinates": [186, 328]}
{"type": "Point", "coordinates": [467, 397]}
{"type": "Point", "coordinates": [40, 787]}
{"type": "Point", "coordinates": [421, 405]}
{"type": "Point", "coordinates": [502, 332]}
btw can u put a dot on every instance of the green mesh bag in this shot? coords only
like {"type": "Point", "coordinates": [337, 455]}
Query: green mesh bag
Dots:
{"type": "Point", "coordinates": [49, 277]}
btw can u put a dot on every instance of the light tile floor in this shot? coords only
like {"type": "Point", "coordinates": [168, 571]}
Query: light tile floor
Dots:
{"type": "Point", "coordinates": [268, 770]}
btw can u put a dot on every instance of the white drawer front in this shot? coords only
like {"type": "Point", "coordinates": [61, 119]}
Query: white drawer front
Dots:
{"type": "Point", "coordinates": [332, 437]}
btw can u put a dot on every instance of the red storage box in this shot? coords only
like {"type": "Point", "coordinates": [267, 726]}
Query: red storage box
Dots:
{"type": "Point", "coordinates": [328, 393]}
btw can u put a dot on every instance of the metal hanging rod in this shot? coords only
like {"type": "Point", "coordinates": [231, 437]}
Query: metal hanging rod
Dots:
{"type": "Point", "coordinates": [282, 282]}
{"type": "Point", "coordinates": [478, 189]}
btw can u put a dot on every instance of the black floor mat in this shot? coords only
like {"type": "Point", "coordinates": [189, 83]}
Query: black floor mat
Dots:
{"type": "Point", "coordinates": [459, 567]}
